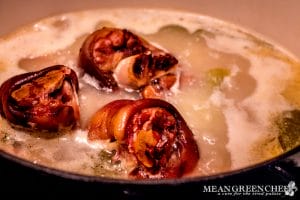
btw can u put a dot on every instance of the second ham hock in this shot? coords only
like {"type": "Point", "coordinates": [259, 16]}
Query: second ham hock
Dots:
{"type": "Point", "coordinates": [118, 58]}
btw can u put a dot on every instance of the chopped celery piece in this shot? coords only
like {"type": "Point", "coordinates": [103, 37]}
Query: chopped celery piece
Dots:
{"type": "Point", "coordinates": [216, 76]}
{"type": "Point", "coordinates": [106, 156]}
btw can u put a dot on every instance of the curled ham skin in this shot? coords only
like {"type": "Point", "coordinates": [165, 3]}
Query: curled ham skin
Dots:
{"type": "Point", "coordinates": [117, 58]}
{"type": "Point", "coordinates": [42, 100]}
{"type": "Point", "coordinates": [153, 131]}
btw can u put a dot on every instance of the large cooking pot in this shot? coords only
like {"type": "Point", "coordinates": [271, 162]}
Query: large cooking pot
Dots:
{"type": "Point", "coordinates": [273, 19]}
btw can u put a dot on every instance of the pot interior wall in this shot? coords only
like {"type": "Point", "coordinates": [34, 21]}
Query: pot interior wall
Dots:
{"type": "Point", "coordinates": [276, 19]}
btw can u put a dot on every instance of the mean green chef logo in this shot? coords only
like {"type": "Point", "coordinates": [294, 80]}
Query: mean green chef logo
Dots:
{"type": "Point", "coordinates": [252, 190]}
{"type": "Point", "coordinates": [291, 189]}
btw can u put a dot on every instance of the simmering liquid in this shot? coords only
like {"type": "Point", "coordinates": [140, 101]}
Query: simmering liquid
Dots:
{"type": "Point", "coordinates": [232, 91]}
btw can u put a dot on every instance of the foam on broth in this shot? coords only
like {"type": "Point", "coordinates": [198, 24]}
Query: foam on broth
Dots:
{"type": "Point", "coordinates": [230, 117]}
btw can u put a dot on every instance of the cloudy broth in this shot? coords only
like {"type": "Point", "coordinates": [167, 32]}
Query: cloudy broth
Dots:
{"type": "Point", "coordinates": [231, 87]}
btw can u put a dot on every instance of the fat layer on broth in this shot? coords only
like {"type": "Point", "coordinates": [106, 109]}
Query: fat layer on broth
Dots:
{"type": "Point", "coordinates": [229, 88]}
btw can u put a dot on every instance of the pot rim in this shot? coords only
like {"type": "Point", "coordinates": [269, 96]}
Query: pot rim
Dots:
{"type": "Point", "coordinates": [107, 180]}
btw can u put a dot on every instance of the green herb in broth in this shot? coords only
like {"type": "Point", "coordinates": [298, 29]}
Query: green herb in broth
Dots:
{"type": "Point", "coordinates": [105, 165]}
{"type": "Point", "coordinates": [268, 147]}
{"type": "Point", "coordinates": [216, 76]}
{"type": "Point", "coordinates": [288, 125]}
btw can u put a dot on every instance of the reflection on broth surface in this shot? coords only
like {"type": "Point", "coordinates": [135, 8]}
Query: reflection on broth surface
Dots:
{"type": "Point", "coordinates": [235, 92]}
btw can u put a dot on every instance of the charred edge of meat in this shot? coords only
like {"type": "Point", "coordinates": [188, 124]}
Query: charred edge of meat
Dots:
{"type": "Point", "coordinates": [153, 131]}
{"type": "Point", "coordinates": [107, 49]}
{"type": "Point", "coordinates": [42, 100]}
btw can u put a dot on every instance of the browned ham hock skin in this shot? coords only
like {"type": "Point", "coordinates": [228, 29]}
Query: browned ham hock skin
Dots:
{"type": "Point", "coordinates": [153, 131]}
{"type": "Point", "coordinates": [42, 100]}
{"type": "Point", "coordinates": [119, 58]}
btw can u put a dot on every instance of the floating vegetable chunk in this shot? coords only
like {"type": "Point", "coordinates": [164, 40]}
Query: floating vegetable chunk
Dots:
{"type": "Point", "coordinates": [41, 100]}
{"type": "Point", "coordinates": [153, 131]}
{"type": "Point", "coordinates": [288, 124]}
{"type": "Point", "coordinates": [119, 58]}
{"type": "Point", "coordinates": [216, 76]}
